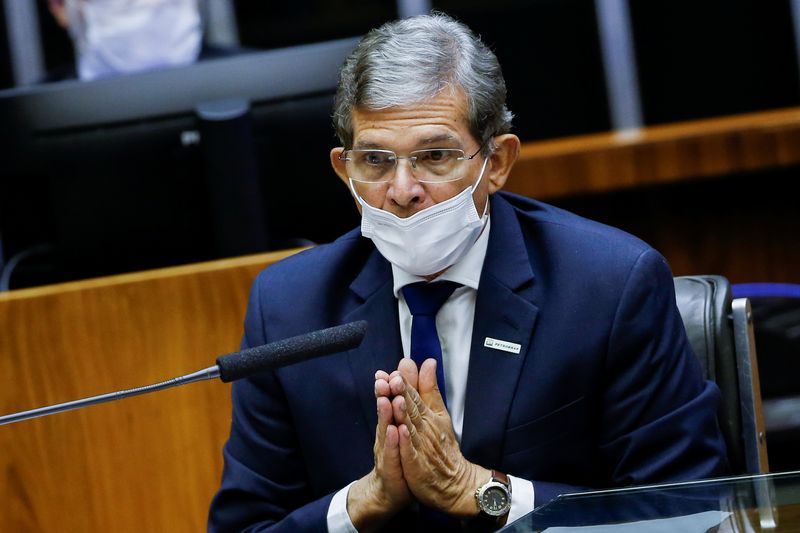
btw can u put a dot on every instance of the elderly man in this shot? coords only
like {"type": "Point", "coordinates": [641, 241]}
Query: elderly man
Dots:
{"type": "Point", "coordinates": [514, 351]}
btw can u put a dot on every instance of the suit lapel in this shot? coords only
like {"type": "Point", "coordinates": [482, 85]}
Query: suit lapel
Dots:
{"type": "Point", "coordinates": [504, 311]}
{"type": "Point", "coordinates": [381, 348]}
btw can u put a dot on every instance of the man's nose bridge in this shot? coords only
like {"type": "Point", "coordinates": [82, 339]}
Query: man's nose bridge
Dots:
{"type": "Point", "coordinates": [404, 182]}
{"type": "Point", "coordinates": [412, 166]}
{"type": "Point", "coordinates": [412, 160]}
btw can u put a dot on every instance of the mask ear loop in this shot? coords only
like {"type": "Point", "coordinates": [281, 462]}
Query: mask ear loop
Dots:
{"type": "Point", "coordinates": [355, 194]}
{"type": "Point", "coordinates": [475, 186]}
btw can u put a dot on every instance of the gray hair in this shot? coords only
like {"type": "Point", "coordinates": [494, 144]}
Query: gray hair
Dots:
{"type": "Point", "coordinates": [411, 60]}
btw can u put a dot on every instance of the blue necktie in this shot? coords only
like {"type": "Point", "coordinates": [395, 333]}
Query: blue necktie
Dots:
{"type": "Point", "coordinates": [424, 301]}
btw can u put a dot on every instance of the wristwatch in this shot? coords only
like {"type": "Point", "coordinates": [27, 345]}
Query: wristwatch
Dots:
{"type": "Point", "coordinates": [494, 498]}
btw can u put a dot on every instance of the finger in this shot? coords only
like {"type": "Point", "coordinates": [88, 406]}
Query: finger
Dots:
{"type": "Point", "coordinates": [380, 374]}
{"type": "Point", "coordinates": [392, 437]}
{"type": "Point", "coordinates": [384, 419]}
{"type": "Point", "coordinates": [391, 452]}
{"type": "Point", "coordinates": [408, 369]}
{"type": "Point", "coordinates": [399, 410]}
{"type": "Point", "coordinates": [408, 453]}
{"type": "Point", "coordinates": [397, 385]}
{"type": "Point", "coordinates": [382, 388]}
{"type": "Point", "coordinates": [413, 408]}
{"type": "Point", "coordinates": [429, 386]}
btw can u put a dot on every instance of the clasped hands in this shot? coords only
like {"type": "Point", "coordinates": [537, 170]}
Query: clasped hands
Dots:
{"type": "Point", "coordinates": [416, 452]}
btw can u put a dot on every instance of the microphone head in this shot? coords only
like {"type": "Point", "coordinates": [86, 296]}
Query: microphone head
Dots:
{"type": "Point", "coordinates": [285, 352]}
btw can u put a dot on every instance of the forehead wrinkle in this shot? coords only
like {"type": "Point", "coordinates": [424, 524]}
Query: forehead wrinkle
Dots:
{"type": "Point", "coordinates": [425, 141]}
{"type": "Point", "coordinates": [422, 139]}
{"type": "Point", "coordinates": [438, 120]}
{"type": "Point", "coordinates": [442, 137]}
{"type": "Point", "coordinates": [362, 145]}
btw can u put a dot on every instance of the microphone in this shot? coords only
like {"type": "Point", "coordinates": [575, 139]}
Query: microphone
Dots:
{"type": "Point", "coordinates": [276, 354]}
{"type": "Point", "coordinates": [232, 366]}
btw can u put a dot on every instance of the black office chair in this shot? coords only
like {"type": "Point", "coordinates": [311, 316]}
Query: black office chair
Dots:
{"type": "Point", "coordinates": [720, 330]}
{"type": "Point", "coordinates": [776, 317]}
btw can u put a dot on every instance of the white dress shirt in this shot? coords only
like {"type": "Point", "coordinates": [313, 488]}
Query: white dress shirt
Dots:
{"type": "Point", "coordinates": [454, 325]}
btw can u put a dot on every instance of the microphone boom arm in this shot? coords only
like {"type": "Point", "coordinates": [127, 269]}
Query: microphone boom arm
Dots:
{"type": "Point", "coordinates": [230, 367]}
{"type": "Point", "coordinates": [211, 372]}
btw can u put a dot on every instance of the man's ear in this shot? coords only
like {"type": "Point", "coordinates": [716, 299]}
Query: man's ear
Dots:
{"type": "Point", "coordinates": [502, 160]}
{"type": "Point", "coordinates": [339, 166]}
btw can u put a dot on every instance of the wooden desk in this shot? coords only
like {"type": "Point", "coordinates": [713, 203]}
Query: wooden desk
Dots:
{"type": "Point", "coordinates": [148, 463]}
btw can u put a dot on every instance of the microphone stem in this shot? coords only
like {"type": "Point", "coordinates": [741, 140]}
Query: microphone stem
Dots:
{"type": "Point", "coordinates": [211, 372]}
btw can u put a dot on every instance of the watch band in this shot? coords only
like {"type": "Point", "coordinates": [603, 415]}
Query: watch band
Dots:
{"type": "Point", "coordinates": [502, 478]}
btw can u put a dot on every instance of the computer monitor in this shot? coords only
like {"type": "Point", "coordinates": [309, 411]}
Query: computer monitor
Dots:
{"type": "Point", "coordinates": [224, 157]}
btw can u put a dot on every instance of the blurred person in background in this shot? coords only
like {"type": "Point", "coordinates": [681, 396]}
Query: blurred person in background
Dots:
{"type": "Point", "coordinates": [113, 37]}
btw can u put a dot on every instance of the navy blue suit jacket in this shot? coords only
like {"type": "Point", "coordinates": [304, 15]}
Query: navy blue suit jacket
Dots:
{"type": "Point", "coordinates": [605, 391]}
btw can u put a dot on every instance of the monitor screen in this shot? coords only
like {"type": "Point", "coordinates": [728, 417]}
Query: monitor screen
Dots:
{"type": "Point", "coordinates": [224, 157]}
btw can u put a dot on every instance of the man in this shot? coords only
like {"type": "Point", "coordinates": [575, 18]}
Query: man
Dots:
{"type": "Point", "coordinates": [558, 358]}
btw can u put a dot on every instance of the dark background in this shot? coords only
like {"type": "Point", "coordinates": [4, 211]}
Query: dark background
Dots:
{"type": "Point", "coordinates": [694, 60]}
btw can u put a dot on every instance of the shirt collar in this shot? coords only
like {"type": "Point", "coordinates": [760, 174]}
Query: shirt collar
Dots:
{"type": "Point", "coordinates": [467, 271]}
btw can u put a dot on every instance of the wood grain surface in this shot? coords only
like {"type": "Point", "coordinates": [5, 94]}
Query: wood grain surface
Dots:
{"type": "Point", "coordinates": [147, 463]}
{"type": "Point", "coordinates": [715, 196]}
{"type": "Point", "coordinates": [657, 154]}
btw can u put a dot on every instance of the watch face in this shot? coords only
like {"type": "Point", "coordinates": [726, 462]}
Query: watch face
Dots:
{"type": "Point", "coordinates": [495, 501]}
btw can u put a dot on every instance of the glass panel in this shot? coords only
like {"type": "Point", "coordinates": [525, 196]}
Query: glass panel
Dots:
{"type": "Point", "coordinates": [749, 503]}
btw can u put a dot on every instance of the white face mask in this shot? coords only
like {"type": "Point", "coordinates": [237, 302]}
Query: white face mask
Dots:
{"type": "Point", "coordinates": [125, 36]}
{"type": "Point", "coordinates": [429, 241]}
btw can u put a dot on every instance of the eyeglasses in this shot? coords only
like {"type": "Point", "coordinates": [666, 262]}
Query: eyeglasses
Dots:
{"type": "Point", "coordinates": [434, 165]}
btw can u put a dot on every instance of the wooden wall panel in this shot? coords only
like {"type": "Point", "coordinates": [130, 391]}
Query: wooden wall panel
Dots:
{"type": "Point", "coordinates": [743, 226]}
{"type": "Point", "coordinates": [715, 196]}
{"type": "Point", "coordinates": [147, 463]}
{"type": "Point", "coordinates": [657, 154]}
